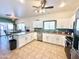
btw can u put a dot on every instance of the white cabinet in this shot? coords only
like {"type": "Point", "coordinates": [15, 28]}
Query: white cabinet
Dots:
{"type": "Point", "coordinates": [29, 37]}
{"type": "Point", "coordinates": [34, 35]}
{"type": "Point", "coordinates": [24, 39]}
{"type": "Point", "coordinates": [54, 38]}
{"type": "Point", "coordinates": [21, 40]}
{"type": "Point", "coordinates": [45, 37]}
{"type": "Point", "coordinates": [61, 40]}
{"type": "Point", "coordinates": [49, 38]}
{"type": "Point", "coordinates": [38, 24]}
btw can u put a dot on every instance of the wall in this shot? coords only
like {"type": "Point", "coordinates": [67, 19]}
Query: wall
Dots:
{"type": "Point", "coordinates": [6, 7]}
{"type": "Point", "coordinates": [3, 19]}
{"type": "Point", "coordinates": [64, 19]}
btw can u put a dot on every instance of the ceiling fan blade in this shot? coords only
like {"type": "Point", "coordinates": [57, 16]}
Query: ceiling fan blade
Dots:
{"type": "Point", "coordinates": [35, 6]}
{"type": "Point", "coordinates": [49, 7]}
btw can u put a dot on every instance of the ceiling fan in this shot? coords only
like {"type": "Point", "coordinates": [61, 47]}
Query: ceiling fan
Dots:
{"type": "Point", "coordinates": [43, 5]}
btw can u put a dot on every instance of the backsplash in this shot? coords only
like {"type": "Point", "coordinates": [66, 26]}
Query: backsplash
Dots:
{"type": "Point", "coordinates": [58, 30]}
{"type": "Point", "coordinates": [64, 30]}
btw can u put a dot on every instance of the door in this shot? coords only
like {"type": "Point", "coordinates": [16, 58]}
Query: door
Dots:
{"type": "Point", "coordinates": [4, 42]}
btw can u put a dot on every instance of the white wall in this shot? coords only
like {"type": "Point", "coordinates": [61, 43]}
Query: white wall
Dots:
{"type": "Point", "coordinates": [64, 19]}
{"type": "Point", "coordinates": [5, 7]}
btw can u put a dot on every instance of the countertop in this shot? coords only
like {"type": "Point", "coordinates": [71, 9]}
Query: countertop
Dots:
{"type": "Point", "coordinates": [22, 33]}
{"type": "Point", "coordinates": [58, 33]}
{"type": "Point", "coordinates": [17, 34]}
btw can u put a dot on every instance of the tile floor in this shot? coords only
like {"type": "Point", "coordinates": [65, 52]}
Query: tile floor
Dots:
{"type": "Point", "coordinates": [37, 50]}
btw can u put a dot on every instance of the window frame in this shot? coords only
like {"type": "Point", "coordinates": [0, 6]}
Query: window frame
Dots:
{"type": "Point", "coordinates": [21, 29]}
{"type": "Point", "coordinates": [50, 21]}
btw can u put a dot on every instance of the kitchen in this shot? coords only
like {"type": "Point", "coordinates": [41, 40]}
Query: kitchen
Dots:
{"type": "Point", "coordinates": [49, 26]}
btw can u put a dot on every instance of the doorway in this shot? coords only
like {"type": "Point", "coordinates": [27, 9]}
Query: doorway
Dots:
{"type": "Point", "coordinates": [5, 28]}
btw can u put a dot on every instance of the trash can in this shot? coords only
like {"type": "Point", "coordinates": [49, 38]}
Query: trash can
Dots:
{"type": "Point", "coordinates": [12, 44]}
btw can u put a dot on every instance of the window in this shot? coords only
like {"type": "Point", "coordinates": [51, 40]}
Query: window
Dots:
{"type": "Point", "coordinates": [77, 27]}
{"type": "Point", "coordinates": [10, 27]}
{"type": "Point", "coordinates": [21, 27]}
{"type": "Point", "coordinates": [5, 28]}
{"type": "Point", "coordinates": [50, 25]}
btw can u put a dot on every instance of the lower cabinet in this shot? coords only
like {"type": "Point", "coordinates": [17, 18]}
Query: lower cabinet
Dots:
{"type": "Point", "coordinates": [54, 38]}
{"type": "Point", "coordinates": [34, 35]}
{"type": "Point", "coordinates": [24, 39]}
{"type": "Point", "coordinates": [21, 40]}
{"type": "Point", "coordinates": [61, 40]}
{"type": "Point", "coordinates": [47, 37]}
{"type": "Point", "coordinates": [29, 37]}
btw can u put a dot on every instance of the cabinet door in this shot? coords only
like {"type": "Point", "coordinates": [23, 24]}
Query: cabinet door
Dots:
{"type": "Point", "coordinates": [28, 36]}
{"type": "Point", "coordinates": [45, 37]}
{"type": "Point", "coordinates": [62, 40]}
{"type": "Point", "coordinates": [49, 38]}
{"type": "Point", "coordinates": [57, 40]}
{"type": "Point", "coordinates": [34, 36]}
{"type": "Point", "coordinates": [37, 24]}
{"type": "Point", "coordinates": [21, 41]}
{"type": "Point", "coordinates": [52, 39]}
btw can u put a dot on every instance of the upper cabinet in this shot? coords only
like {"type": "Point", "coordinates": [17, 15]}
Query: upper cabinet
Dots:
{"type": "Point", "coordinates": [38, 24]}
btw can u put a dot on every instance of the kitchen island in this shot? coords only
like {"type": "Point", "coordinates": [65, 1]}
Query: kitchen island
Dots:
{"type": "Point", "coordinates": [24, 38]}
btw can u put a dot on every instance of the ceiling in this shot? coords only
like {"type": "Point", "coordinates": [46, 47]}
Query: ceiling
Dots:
{"type": "Point", "coordinates": [23, 8]}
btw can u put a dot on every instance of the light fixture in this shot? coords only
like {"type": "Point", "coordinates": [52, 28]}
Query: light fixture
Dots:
{"type": "Point", "coordinates": [40, 11]}
{"type": "Point", "coordinates": [13, 17]}
{"type": "Point", "coordinates": [36, 11]}
{"type": "Point", "coordinates": [62, 4]}
{"type": "Point", "coordinates": [21, 1]}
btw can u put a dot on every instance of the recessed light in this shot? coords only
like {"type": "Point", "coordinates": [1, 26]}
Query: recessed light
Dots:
{"type": "Point", "coordinates": [21, 1]}
{"type": "Point", "coordinates": [62, 4]}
